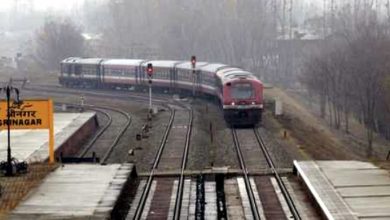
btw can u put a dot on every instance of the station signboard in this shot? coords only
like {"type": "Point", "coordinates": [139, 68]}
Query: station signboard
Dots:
{"type": "Point", "coordinates": [29, 114]}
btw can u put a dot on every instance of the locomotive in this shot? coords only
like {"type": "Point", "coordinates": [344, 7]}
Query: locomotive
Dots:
{"type": "Point", "coordinates": [240, 93]}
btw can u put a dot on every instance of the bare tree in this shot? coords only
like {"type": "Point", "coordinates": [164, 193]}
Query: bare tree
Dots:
{"type": "Point", "coordinates": [350, 72]}
{"type": "Point", "coordinates": [56, 40]}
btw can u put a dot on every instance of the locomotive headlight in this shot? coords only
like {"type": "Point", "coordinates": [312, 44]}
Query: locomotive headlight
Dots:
{"type": "Point", "coordinates": [253, 103]}
{"type": "Point", "coordinates": [233, 103]}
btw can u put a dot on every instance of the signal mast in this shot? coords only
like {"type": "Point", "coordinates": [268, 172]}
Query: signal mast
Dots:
{"type": "Point", "coordinates": [149, 71]}
{"type": "Point", "coordinates": [193, 63]}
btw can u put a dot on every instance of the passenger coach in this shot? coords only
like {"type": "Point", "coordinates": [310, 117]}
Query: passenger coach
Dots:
{"type": "Point", "coordinates": [239, 92]}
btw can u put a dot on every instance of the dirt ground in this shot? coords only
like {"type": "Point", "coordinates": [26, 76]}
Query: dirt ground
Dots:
{"type": "Point", "coordinates": [315, 139]}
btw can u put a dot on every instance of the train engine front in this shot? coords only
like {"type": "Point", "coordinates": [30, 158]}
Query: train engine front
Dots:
{"type": "Point", "coordinates": [242, 98]}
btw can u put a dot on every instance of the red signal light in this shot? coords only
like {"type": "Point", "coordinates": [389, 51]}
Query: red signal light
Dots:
{"type": "Point", "coordinates": [193, 61]}
{"type": "Point", "coordinates": [149, 69]}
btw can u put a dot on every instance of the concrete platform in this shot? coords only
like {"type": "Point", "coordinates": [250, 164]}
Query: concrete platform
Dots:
{"type": "Point", "coordinates": [32, 145]}
{"type": "Point", "coordinates": [76, 191]}
{"type": "Point", "coordinates": [347, 189]}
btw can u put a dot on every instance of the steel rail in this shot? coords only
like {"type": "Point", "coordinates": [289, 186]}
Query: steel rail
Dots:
{"type": "Point", "coordinates": [145, 192]}
{"type": "Point", "coordinates": [96, 137]}
{"type": "Point", "coordinates": [101, 131]}
{"type": "Point", "coordinates": [104, 129]}
{"type": "Point", "coordinates": [179, 194]}
{"type": "Point", "coordinates": [286, 194]}
{"type": "Point", "coordinates": [119, 136]}
{"type": "Point", "coordinates": [251, 196]}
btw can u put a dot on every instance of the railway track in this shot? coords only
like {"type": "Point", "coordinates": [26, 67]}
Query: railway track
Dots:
{"type": "Point", "coordinates": [117, 95]}
{"type": "Point", "coordinates": [248, 186]}
{"type": "Point", "coordinates": [172, 154]}
{"type": "Point", "coordinates": [179, 194]}
{"type": "Point", "coordinates": [293, 209]}
{"type": "Point", "coordinates": [253, 155]}
{"type": "Point", "coordinates": [107, 138]}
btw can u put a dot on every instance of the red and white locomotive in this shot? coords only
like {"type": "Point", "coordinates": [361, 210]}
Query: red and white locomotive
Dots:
{"type": "Point", "coordinates": [239, 92]}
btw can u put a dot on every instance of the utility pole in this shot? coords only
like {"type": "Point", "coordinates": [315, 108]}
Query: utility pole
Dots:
{"type": "Point", "coordinates": [275, 18]}
{"type": "Point", "coordinates": [332, 18]}
{"type": "Point", "coordinates": [283, 23]}
{"type": "Point", "coordinates": [324, 21]}
{"type": "Point", "coordinates": [23, 7]}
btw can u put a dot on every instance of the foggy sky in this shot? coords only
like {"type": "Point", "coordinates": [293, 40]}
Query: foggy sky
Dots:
{"type": "Point", "coordinates": [41, 5]}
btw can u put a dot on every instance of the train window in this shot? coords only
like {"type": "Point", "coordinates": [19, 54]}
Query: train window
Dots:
{"type": "Point", "coordinates": [77, 69]}
{"type": "Point", "coordinates": [130, 72]}
{"type": "Point", "coordinates": [87, 70]}
{"type": "Point", "coordinates": [116, 72]}
{"type": "Point", "coordinates": [241, 91]}
{"type": "Point", "coordinates": [185, 75]}
{"type": "Point", "coordinates": [161, 73]}
{"type": "Point", "coordinates": [207, 78]}
{"type": "Point", "coordinates": [69, 69]}
{"type": "Point", "coordinates": [64, 68]}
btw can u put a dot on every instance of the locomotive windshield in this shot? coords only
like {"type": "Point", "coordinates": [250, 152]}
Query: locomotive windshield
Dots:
{"type": "Point", "coordinates": [241, 91]}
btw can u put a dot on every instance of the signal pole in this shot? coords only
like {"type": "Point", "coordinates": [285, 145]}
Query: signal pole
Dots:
{"type": "Point", "coordinates": [150, 95]}
{"type": "Point", "coordinates": [149, 71]}
{"type": "Point", "coordinates": [193, 63]}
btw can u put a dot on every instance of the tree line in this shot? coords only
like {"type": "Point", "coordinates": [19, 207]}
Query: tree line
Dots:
{"type": "Point", "coordinates": [349, 73]}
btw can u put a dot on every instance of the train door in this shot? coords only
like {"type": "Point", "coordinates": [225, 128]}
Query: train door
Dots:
{"type": "Point", "coordinates": [136, 73]}
{"type": "Point", "coordinates": [172, 79]}
{"type": "Point", "coordinates": [99, 75]}
{"type": "Point", "coordinates": [77, 70]}
{"type": "Point", "coordinates": [175, 77]}
{"type": "Point", "coordinates": [72, 70]}
{"type": "Point", "coordinates": [199, 81]}
{"type": "Point", "coordinates": [141, 75]}
{"type": "Point", "coordinates": [62, 68]}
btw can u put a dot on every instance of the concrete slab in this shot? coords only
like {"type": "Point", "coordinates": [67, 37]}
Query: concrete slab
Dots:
{"type": "Point", "coordinates": [344, 164]}
{"type": "Point", "coordinates": [370, 206]}
{"type": "Point", "coordinates": [173, 199]}
{"type": "Point", "coordinates": [355, 178]}
{"type": "Point", "coordinates": [364, 191]}
{"type": "Point", "coordinates": [233, 199]}
{"type": "Point", "coordinates": [331, 204]}
{"type": "Point", "coordinates": [192, 206]}
{"type": "Point", "coordinates": [259, 204]}
{"type": "Point", "coordinates": [210, 208]}
{"type": "Point", "coordinates": [32, 145]}
{"type": "Point", "coordinates": [244, 198]}
{"type": "Point", "coordinates": [347, 189]}
{"type": "Point", "coordinates": [76, 191]}
{"type": "Point", "coordinates": [185, 206]}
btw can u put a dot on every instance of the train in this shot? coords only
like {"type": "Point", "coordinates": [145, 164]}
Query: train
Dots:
{"type": "Point", "coordinates": [239, 92]}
